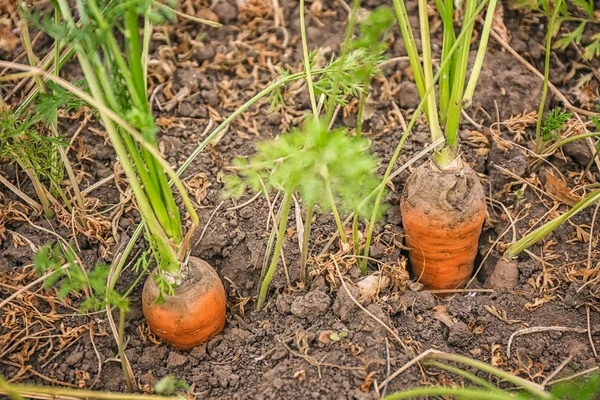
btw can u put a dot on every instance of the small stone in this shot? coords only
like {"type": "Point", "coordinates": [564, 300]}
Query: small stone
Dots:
{"type": "Point", "coordinates": [418, 302]}
{"type": "Point", "coordinates": [319, 284]}
{"type": "Point", "coordinates": [283, 303]}
{"type": "Point", "coordinates": [279, 354]}
{"type": "Point", "coordinates": [151, 357]}
{"type": "Point", "coordinates": [240, 335]}
{"type": "Point", "coordinates": [505, 276]}
{"type": "Point", "coordinates": [246, 213]}
{"type": "Point", "coordinates": [274, 118]}
{"type": "Point", "coordinates": [377, 250]}
{"type": "Point", "coordinates": [225, 11]}
{"type": "Point", "coordinates": [201, 54]}
{"type": "Point", "coordinates": [579, 151]}
{"type": "Point", "coordinates": [459, 334]}
{"type": "Point", "coordinates": [176, 360]}
{"type": "Point", "coordinates": [355, 272]}
{"type": "Point", "coordinates": [198, 352]}
{"type": "Point", "coordinates": [222, 373]}
{"type": "Point", "coordinates": [210, 97]}
{"type": "Point", "coordinates": [409, 96]}
{"type": "Point", "coordinates": [74, 358]}
{"type": "Point", "coordinates": [314, 303]}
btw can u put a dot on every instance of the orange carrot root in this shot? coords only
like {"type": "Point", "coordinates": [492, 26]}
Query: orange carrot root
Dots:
{"type": "Point", "coordinates": [194, 314]}
{"type": "Point", "coordinates": [443, 212]}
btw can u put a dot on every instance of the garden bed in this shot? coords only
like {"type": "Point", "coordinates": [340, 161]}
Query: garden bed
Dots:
{"type": "Point", "coordinates": [318, 343]}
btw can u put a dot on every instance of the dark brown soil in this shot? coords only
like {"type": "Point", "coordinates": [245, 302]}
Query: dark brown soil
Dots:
{"type": "Point", "coordinates": [285, 351]}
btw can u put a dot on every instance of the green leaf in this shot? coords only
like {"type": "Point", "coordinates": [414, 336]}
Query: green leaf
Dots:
{"type": "Point", "coordinates": [593, 49]}
{"type": "Point", "coordinates": [586, 5]}
{"type": "Point", "coordinates": [168, 385]}
{"type": "Point", "coordinates": [554, 123]}
{"type": "Point", "coordinates": [572, 37]}
{"type": "Point", "coordinates": [578, 389]}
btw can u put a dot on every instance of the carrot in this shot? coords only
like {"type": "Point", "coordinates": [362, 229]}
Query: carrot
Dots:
{"type": "Point", "coordinates": [443, 211]}
{"type": "Point", "coordinates": [194, 314]}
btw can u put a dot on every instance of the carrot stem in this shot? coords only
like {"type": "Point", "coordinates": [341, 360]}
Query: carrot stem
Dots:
{"type": "Point", "coordinates": [304, 256]}
{"type": "Point", "coordinates": [544, 230]}
{"type": "Point", "coordinates": [287, 200]}
{"type": "Point", "coordinates": [306, 56]}
{"type": "Point", "coordinates": [336, 215]}
{"type": "Point", "coordinates": [539, 143]}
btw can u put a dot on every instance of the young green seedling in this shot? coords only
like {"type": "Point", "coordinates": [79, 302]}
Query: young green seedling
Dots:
{"type": "Point", "coordinates": [324, 167]}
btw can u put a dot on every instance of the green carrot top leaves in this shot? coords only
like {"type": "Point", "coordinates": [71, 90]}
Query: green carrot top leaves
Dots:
{"type": "Point", "coordinates": [307, 161]}
{"type": "Point", "coordinates": [72, 278]}
{"type": "Point", "coordinates": [554, 123]}
{"type": "Point", "coordinates": [581, 12]}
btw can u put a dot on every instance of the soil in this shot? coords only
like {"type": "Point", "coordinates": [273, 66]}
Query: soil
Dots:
{"type": "Point", "coordinates": [316, 343]}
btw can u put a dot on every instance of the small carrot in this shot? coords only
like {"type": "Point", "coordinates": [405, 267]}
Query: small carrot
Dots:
{"type": "Point", "coordinates": [443, 211]}
{"type": "Point", "coordinates": [194, 314]}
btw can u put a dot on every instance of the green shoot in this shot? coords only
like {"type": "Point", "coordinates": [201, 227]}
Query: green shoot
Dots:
{"type": "Point", "coordinates": [370, 40]}
{"type": "Point", "coordinates": [313, 162]}
{"type": "Point", "coordinates": [35, 153]}
{"type": "Point", "coordinates": [529, 390]}
{"type": "Point", "coordinates": [535, 236]}
{"type": "Point", "coordinates": [588, 10]}
{"type": "Point", "coordinates": [539, 141]}
{"type": "Point", "coordinates": [307, 62]}
{"type": "Point", "coordinates": [64, 271]}
{"type": "Point", "coordinates": [168, 386]}
{"type": "Point", "coordinates": [50, 259]}
{"type": "Point", "coordinates": [554, 123]}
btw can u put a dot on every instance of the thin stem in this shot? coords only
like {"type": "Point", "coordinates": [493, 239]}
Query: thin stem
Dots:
{"type": "Point", "coordinates": [40, 191]}
{"type": "Point", "coordinates": [447, 14]}
{"type": "Point", "coordinates": [287, 200]}
{"type": "Point", "coordinates": [336, 215]}
{"type": "Point", "coordinates": [539, 143]}
{"type": "Point", "coordinates": [570, 139]}
{"type": "Point", "coordinates": [531, 387]}
{"type": "Point", "coordinates": [355, 235]}
{"type": "Point", "coordinates": [432, 115]}
{"type": "Point", "coordinates": [57, 392]}
{"type": "Point", "coordinates": [121, 346]}
{"type": "Point", "coordinates": [187, 16]}
{"type": "Point", "coordinates": [462, 393]}
{"type": "Point", "coordinates": [459, 74]}
{"type": "Point", "coordinates": [309, 81]}
{"type": "Point", "coordinates": [475, 379]}
{"type": "Point", "coordinates": [331, 104]}
{"type": "Point", "coordinates": [306, 237]}
{"type": "Point", "coordinates": [361, 107]}
{"type": "Point", "coordinates": [535, 236]}
{"type": "Point", "coordinates": [485, 36]}
{"type": "Point", "coordinates": [411, 47]}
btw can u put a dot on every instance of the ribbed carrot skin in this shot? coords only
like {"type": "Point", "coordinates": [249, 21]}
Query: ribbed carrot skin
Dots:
{"type": "Point", "coordinates": [194, 314]}
{"type": "Point", "coordinates": [442, 236]}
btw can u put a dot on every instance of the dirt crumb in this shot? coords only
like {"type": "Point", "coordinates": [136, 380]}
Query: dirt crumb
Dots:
{"type": "Point", "coordinates": [459, 335]}
{"type": "Point", "coordinates": [312, 304]}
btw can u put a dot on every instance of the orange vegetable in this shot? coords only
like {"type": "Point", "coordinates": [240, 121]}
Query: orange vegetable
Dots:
{"type": "Point", "coordinates": [443, 212]}
{"type": "Point", "coordinates": [194, 314]}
